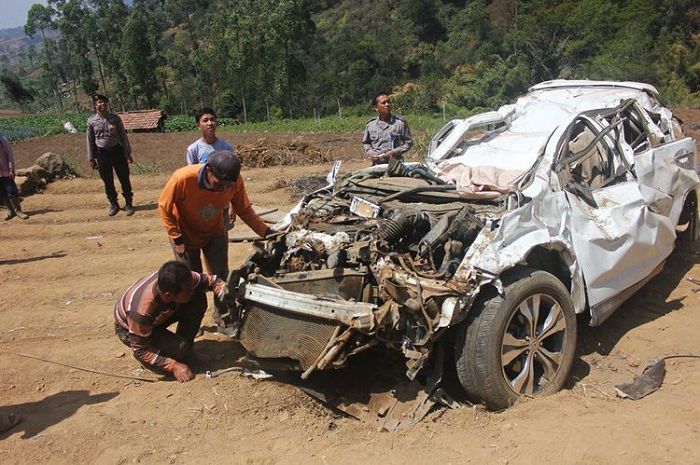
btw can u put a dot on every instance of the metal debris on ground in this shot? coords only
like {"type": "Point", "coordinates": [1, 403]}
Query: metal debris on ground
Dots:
{"type": "Point", "coordinates": [650, 380]}
{"type": "Point", "coordinates": [214, 374]}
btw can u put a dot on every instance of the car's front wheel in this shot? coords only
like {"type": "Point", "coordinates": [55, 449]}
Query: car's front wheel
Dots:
{"type": "Point", "coordinates": [520, 344]}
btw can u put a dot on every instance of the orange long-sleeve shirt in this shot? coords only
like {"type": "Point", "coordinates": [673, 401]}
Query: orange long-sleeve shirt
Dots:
{"type": "Point", "coordinates": [193, 214]}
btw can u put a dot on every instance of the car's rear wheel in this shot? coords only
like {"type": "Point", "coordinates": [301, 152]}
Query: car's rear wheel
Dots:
{"type": "Point", "coordinates": [687, 229]}
{"type": "Point", "coordinates": [520, 344]}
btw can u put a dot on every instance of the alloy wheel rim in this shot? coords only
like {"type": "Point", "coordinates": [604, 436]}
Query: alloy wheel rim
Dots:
{"type": "Point", "coordinates": [533, 343]}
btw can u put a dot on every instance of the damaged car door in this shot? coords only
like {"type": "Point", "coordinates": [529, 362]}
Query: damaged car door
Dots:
{"type": "Point", "coordinates": [620, 228]}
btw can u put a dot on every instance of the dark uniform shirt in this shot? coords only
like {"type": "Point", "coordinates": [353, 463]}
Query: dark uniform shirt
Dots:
{"type": "Point", "coordinates": [105, 133]}
{"type": "Point", "coordinates": [379, 137]}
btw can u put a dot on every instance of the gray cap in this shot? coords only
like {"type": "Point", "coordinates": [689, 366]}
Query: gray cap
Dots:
{"type": "Point", "coordinates": [224, 164]}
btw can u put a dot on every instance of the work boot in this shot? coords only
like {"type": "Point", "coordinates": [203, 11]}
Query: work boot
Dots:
{"type": "Point", "coordinates": [129, 209]}
{"type": "Point", "coordinates": [18, 209]}
{"type": "Point", "coordinates": [113, 209]}
{"type": "Point", "coordinates": [10, 210]}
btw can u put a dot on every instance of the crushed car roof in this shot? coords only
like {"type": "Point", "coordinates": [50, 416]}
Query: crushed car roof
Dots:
{"type": "Point", "coordinates": [527, 124]}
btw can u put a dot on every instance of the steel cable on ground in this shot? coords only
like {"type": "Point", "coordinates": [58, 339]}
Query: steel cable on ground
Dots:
{"type": "Point", "coordinates": [88, 370]}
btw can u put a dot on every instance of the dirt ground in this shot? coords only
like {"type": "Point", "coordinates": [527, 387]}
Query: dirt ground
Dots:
{"type": "Point", "coordinates": [62, 270]}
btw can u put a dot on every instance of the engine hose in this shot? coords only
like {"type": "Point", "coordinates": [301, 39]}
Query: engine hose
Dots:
{"type": "Point", "coordinates": [400, 224]}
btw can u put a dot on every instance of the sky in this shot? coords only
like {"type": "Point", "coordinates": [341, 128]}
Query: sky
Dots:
{"type": "Point", "coordinates": [14, 12]}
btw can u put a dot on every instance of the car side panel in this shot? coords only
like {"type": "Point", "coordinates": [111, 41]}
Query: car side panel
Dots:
{"type": "Point", "coordinates": [622, 240]}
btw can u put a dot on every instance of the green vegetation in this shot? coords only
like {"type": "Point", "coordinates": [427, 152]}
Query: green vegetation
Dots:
{"type": "Point", "coordinates": [146, 168]}
{"type": "Point", "coordinates": [26, 127]}
{"type": "Point", "coordinates": [272, 60]}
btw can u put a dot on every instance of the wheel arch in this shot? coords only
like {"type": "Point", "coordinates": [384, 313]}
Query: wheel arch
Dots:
{"type": "Point", "coordinates": [690, 213]}
{"type": "Point", "coordinates": [560, 263]}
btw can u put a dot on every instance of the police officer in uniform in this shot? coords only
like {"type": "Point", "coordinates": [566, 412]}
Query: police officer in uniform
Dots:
{"type": "Point", "coordinates": [386, 135]}
{"type": "Point", "coordinates": [109, 152]}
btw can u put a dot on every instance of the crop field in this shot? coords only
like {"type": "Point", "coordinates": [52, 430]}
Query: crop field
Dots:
{"type": "Point", "coordinates": [19, 128]}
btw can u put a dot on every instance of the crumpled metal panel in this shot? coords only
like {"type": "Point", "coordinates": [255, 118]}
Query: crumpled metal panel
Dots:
{"type": "Point", "coordinates": [622, 241]}
{"type": "Point", "coordinates": [670, 169]}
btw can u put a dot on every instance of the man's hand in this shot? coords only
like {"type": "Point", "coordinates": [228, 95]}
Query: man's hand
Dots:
{"type": "Point", "coordinates": [12, 174]}
{"type": "Point", "coordinates": [93, 163]}
{"type": "Point", "coordinates": [180, 249]}
{"type": "Point", "coordinates": [129, 159]}
{"type": "Point", "coordinates": [182, 372]}
{"type": "Point", "coordinates": [379, 158]}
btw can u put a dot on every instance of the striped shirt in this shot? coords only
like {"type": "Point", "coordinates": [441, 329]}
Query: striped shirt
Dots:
{"type": "Point", "coordinates": [141, 309]}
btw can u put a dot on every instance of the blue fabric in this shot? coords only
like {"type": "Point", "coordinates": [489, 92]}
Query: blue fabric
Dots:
{"type": "Point", "coordinates": [199, 151]}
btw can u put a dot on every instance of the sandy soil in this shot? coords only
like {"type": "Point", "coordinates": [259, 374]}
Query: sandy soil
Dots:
{"type": "Point", "coordinates": [62, 270]}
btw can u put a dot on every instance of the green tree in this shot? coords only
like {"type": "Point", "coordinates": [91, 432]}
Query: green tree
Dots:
{"type": "Point", "coordinates": [137, 60]}
{"type": "Point", "coordinates": [15, 90]}
{"type": "Point", "coordinates": [39, 18]}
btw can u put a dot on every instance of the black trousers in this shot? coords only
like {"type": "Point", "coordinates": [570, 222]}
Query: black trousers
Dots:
{"type": "Point", "coordinates": [216, 254]}
{"type": "Point", "coordinates": [110, 161]}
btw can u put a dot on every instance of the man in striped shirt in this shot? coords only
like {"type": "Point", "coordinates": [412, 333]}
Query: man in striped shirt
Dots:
{"type": "Point", "coordinates": [173, 294]}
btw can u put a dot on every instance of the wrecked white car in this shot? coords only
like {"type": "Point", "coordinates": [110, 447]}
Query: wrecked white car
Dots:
{"type": "Point", "coordinates": [565, 202]}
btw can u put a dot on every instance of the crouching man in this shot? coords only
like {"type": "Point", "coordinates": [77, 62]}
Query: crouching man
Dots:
{"type": "Point", "coordinates": [173, 294]}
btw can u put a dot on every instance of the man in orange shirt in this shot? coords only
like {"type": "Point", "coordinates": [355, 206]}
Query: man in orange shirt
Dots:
{"type": "Point", "coordinates": [191, 208]}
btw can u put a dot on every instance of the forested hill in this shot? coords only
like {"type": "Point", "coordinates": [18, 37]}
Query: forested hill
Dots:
{"type": "Point", "coordinates": [255, 59]}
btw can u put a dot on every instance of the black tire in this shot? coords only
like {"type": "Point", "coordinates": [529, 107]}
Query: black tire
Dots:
{"type": "Point", "coordinates": [498, 376]}
{"type": "Point", "coordinates": [687, 228]}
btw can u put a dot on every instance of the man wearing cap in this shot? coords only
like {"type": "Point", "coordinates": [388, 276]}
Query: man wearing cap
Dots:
{"type": "Point", "coordinates": [109, 151]}
{"type": "Point", "coordinates": [191, 207]}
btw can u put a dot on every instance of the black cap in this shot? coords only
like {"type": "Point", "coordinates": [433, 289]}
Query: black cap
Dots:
{"type": "Point", "coordinates": [224, 164]}
{"type": "Point", "coordinates": [96, 97]}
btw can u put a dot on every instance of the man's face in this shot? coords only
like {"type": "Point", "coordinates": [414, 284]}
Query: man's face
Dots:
{"type": "Point", "coordinates": [217, 184]}
{"type": "Point", "coordinates": [383, 106]}
{"type": "Point", "coordinates": [207, 124]}
{"type": "Point", "coordinates": [185, 294]}
{"type": "Point", "coordinates": [101, 106]}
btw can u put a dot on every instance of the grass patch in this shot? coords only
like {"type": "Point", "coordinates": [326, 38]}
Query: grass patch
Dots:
{"type": "Point", "coordinates": [71, 166]}
{"type": "Point", "coordinates": [25, 127]}
{"type": "Point", "coordinates": [146, 168]}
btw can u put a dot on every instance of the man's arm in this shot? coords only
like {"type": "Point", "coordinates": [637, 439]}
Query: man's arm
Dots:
{"type": "Point", "coordinates": [244, 209]}
{"type": "Point", "coordinates": [208, 282]}
{"type": "Point", "coordinates": [123, 139]}
{"type": "Point", "coordinates": [407, 141]}
{"type": "Point", "coordinates": [167, 207]}
{"type": "Point", "coordinates": [140, 337]}
{"type": "Point", "coordinates": [91, 145]}
{"type": "Point", "coordinates": [191, 155]}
